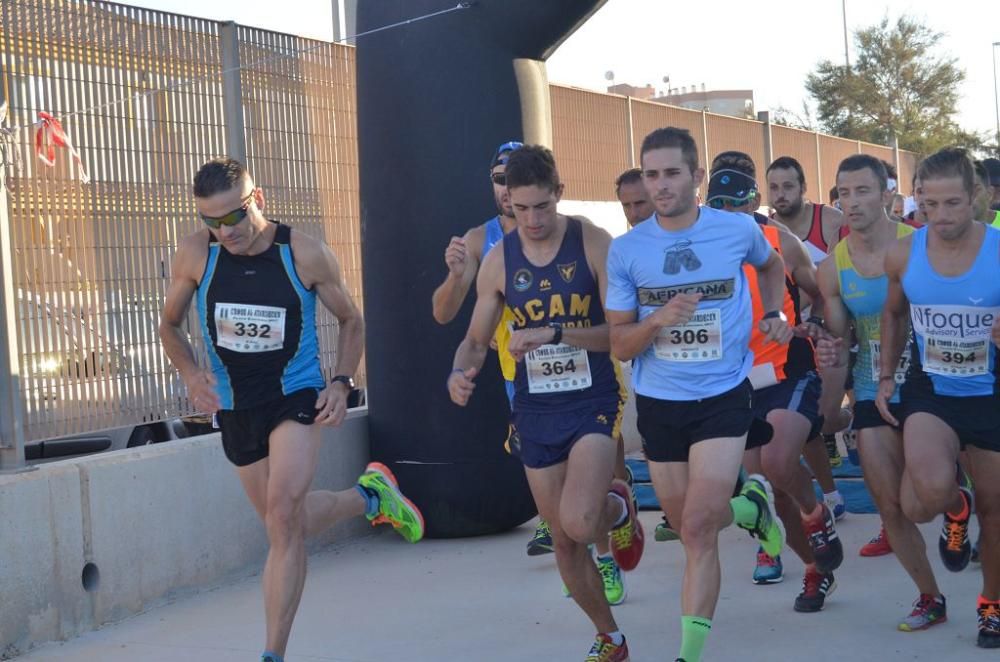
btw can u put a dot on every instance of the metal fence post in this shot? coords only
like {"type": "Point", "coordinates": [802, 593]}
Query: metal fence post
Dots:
{"type": "Point", "coordinates": [11, 420]}
{"type": "Point", "coordinates": [232, 92]}
{"type": "Point", "coordinates": [765, 117]}
{"type": "Point", "coordinates": [704, 132]}
{"type": "Point", "coordinates": [629, 132]}
{"type": "Point", "coordinates": [819, 169]}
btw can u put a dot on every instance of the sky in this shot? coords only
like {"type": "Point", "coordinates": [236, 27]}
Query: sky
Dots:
{"type": "Point", "coordinates": [724, 44]}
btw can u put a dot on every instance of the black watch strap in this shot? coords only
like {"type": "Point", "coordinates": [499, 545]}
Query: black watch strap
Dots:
{"type": "Point", "coordinates": [772, 314]}
{"type": "Point", "coordinates": [557, 338]}
{"type": "Point", "coordinates": [346, 380]}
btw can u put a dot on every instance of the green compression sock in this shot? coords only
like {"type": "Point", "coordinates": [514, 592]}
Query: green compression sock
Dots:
{"type": "Point", "coordinates": [694, 631]}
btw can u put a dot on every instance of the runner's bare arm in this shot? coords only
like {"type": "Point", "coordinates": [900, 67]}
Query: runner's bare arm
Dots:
{"type": "Point", "coordinates": [485, 316]}
{"type": "Point", "coordinates": [832, 353]}
{"type": "Point", "coordinates": [800, 266]}
{"type": "Point", "coordinates": [771, 279]}
{"type": "Point", "coordinates": [186, 270]}
{"type": "Point", "coordinates": [462, 259]}
{"type": "Point", "coordinates": [471, 352]}
{"type": "Point", "coordinates": [318, 267]}
{"type": "Point", "coordinates": [895, 312]}
{"type": "Point", "coordinates": [894, 326]}
{"type": "Point", "coordinates": [630, 338]}
{"type": "Point", "coordinates": [832, 221]}
{"type": "Point", "coordinates": [771, 283]}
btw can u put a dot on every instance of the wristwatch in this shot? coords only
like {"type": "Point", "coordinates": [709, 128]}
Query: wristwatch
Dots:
{"type": "Point", "coordinates": [346, 380]}
{"type": "Point", "coordinates": [774, 314]}
{"type": "Point", "coordinates": [557, 338]}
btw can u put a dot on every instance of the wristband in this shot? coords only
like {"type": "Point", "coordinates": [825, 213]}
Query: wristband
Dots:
{"type": "Point", "coordinates": [815, 319]}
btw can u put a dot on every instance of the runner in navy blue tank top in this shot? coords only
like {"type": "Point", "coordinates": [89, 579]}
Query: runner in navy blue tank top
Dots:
{"type": "Point", "coordinates": [256, 284]}
{"type": "Point", "coordinates": [463, 257]}
{"type": "Point", "coordinates": [550, 274]}
{"type": "Point", "coordinates": [946, 278]}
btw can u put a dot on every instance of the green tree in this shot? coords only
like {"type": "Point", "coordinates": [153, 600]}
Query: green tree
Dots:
{"type": "Point", "coordinates": [898, 85]}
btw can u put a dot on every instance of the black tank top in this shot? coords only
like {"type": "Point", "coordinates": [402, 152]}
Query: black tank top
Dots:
{"type": "Point", "coordinates": [259, 323]}
{"type": "Point", "coordinates": [563, 291]}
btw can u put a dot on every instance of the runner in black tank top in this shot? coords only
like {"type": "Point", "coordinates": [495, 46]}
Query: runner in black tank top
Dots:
{"type": "Point", "coordinates": [262, 324]}
{"type": "Point", "coordinates": [256, 300]}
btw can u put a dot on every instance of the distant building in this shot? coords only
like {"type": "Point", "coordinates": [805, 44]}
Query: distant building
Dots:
{"type": "Point", "coordinates": [735, 103]}
{"type": "Point", "coordinates": [626, 90]}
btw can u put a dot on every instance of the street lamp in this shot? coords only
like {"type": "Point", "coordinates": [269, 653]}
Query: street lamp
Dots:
{"type": "Point", "coordinates": [996, 96]}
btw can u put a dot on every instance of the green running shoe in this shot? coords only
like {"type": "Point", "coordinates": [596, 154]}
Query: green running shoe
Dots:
{"type": "Point", "coordinates": [613, 579]}
{"type": "Point", "coordinates": [768, 528]}
{"type": "Point", "coordinates": [541, 542]}
{"type": "Point", "coordinates": [664, 532]}
{"type": "Point", "coordinates": [393, 507]}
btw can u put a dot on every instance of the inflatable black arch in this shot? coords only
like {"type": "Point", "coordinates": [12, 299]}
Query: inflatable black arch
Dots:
{"type": "Point", "coordinates": [435, 98]}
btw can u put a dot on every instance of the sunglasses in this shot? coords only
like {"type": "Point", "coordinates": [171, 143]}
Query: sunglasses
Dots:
{"type": "Point", "coordinates": [232, 218]}
{"type": "Point", "coordinates": [722, 202]}
{"type": "Point", "coordinates": [499, 178]}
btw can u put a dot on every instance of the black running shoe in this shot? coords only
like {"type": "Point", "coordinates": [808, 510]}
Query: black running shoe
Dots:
{"type": "Point", "coordinates": [954, 545]}
{"type": "Point", "coordinates": [989, 624]}
{"type": "Point", "coordinates": [815, 587]}
{"type": "Point", "coordinates": [824, 541]}
{"type": "Point", "coordinates": [541, 542]}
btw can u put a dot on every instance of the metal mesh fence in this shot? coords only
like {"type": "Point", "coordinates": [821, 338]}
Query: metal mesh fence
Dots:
{"type": "Point", "coordinates": [92, 262]}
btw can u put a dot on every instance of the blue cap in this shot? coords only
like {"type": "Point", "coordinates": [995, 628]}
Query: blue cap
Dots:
{"type": "Point", "coordinates": [503, 153]}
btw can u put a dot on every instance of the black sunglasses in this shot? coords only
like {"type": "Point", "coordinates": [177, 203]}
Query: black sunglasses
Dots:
{"type": "Point", "coordinates": [232, 218]}
{"type": "Point", "coordinates": [499, 178]}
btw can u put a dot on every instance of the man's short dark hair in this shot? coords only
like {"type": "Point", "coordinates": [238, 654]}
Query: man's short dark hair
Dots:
{"type": "Point", "coordinates": [857, 162]}
{"type": "Point", "coordinates": [217, 176]}
{"type": "Point", "coordinates": [630, 176]}
{"type": "Point", "coordinates": [671, 136]}
{"type": "Point", "coordinates": [788, 163]}
{"type": "Point", "coordinates": [949, 162]}
{"type": "Point", "coordinates": [890, 170]}
{"type": "Point", "coordinates": [735, 160]}
{"type": "Point", "coordinates": [532, 165]}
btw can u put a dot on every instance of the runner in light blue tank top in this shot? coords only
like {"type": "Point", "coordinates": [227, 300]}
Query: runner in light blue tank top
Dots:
{"type": "Point", "coordinates": [951, 317]}
{"type": "Point", "coordinates": [649, 266]}
{"type": "Point", "coordinates": [945, 281]}
{"type": "Point", "coordinates": [864, 298]}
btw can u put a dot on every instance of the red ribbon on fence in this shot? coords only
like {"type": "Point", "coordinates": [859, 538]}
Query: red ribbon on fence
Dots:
{"type": "Point", "coordinates": [50, 135]}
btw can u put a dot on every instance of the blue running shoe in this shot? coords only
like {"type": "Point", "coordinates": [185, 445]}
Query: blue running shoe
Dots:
{"type": "Point", "coordinates": [769, 570]}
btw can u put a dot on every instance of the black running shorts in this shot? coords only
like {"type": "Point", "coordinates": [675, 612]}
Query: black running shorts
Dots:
{"type": "Point", "coordinates": [246, 433]}
{"type": "Point", "coordinates": [669, 427]}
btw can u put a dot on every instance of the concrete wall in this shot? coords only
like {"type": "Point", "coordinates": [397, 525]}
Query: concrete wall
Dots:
{"type": "Point", "coordinates": [154, 522]}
